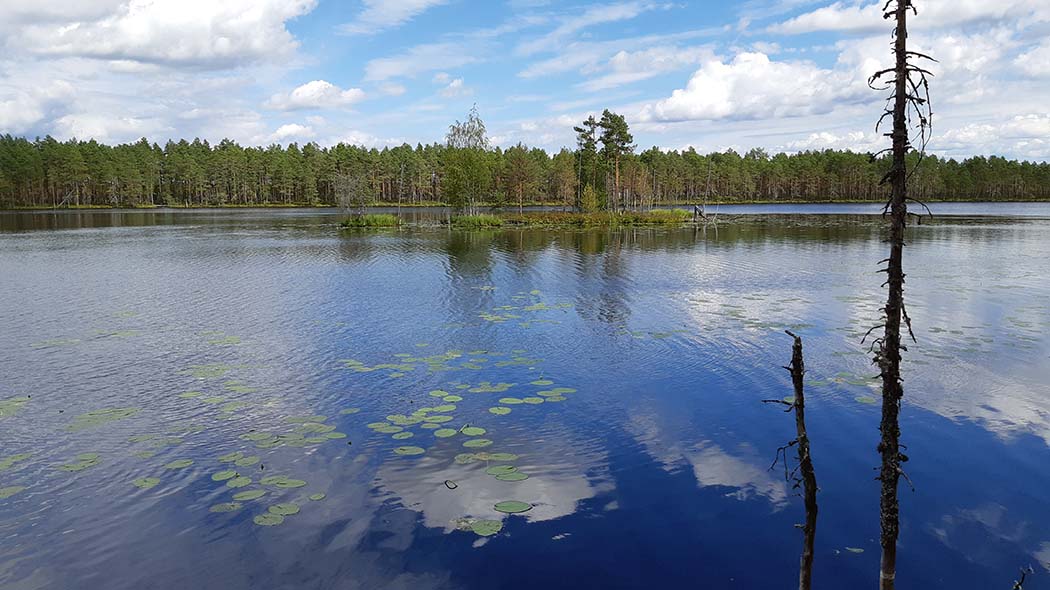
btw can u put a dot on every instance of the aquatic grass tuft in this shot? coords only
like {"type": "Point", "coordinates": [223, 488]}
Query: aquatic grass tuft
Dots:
{"type": "Point", "coordinates": [371, 220]}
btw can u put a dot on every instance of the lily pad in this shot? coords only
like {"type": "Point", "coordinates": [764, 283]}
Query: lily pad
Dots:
{"type": "Point", "coordinates": [438, 393]}
{"type": "Point", "coordinates": [191, 394]}
{"type": "Point", "coordinates": [249, 495]}
{"type": "Point", "coordinates": [290, 483]}
{"type": "Point", "coordinates": [556, 398]}
{"type": "Point", "coordinates": [452, 399]}
{"type": "Point", "coordinates": [430, 425]}
{"type": "Point", "coordinates": [9, 491]}
{"type": "Point", "coordinates": [865, 399]}
{"type": "Point", "coordinates": [445, 432]}
{"type": "Point", "coordinates": [402, 435]}
{"type": "Point", "coordinates": [486, 528]}
{"type": "Point", "coordinates": [226, 507]}
{"type": "Point", "coordinates": [224, 475]}
{"type": "Point", "coordinates": [8, 462]}
{"type": "Point", "coordinates": [268, 519]}
{"type": "Point", "coordinates": [473, 430]}
{"type": "Point", "coordinates": [348, 411]}
{"type": "Point", "coordinates": [83, 461]}
{"type": "Point", "coordinates": [144, 454]}
{"type": "Point", "coordinates": [533, 400]}
{"type": "Point", "coordinates": [179, 464]}
{"type": "Point", "coordinates": [501, 470]}
{"type": "Point", "coordinates": [409, 451]}
{"type": "Point", "coordinates": [515, 476]}
{"type": "Point", "coordinates": [317, 497]}
{"type": "Point", "coordinates": [247, 461]}
{"type": "Point", "coordinates": [477, 443]}
{"type": "Point", "coordinates": [543, 382]}
{"type": "Point", "coordinates": [512, 507]}
{"type": "Point", "coordinates": [146, 482]}
{"type": "Point", "coordinates": [390, 429]}
{"type": "Point", "coordinates": [501, 457]}
{"type": "Point", "coordinates": [239, 482]}
{"type": "Point", "coordinates": [499, 411]}
{"type": "Point", "coordinates": [285, 509]}
{"type": "Point", "coordinates": [231, 457]}
{"type": "Point", "coordinates": [99, 417]}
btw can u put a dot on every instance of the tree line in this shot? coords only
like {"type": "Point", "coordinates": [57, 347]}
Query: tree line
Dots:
{"type": "Point", "coordinates": [603, 172]}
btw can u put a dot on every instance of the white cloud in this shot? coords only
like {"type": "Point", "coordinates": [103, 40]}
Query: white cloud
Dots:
{"type": "Point", "coordinates": [318, 94]}
{"type": "Point", "coordinates": [847, 17]}
{"type": "Point", "coordinates": [594, 15]}
{"type": "Point", "coordinates": [199, 33]}
{"type": "Point", "coordinates": [104, 128]}
{"type": "Point", "coordinates": [1035, 61]}
{"type": "Point", "coordinates": [626, 66]}
{"type": "Point", "coordinates": [291, 131]}
{"type": "Point", "coordinates": [1025, 136]}
{"type": "Point", "coordinates": [455, 88]}
{"type": "Point", "coordinates": [25, 108]}
{"type": "Point", "coordinates": [421, 59]}
{"type": "Point", "coordinates": [392, 89]}
{"type": "Point", "coordinates": [752, 86]}
{"type": "Point", "coordinates": [379, 15]}
{"type": "Point", "coordinates": [856, 141]}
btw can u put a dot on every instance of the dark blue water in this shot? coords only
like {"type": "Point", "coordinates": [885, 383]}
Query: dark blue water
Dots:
{"type": "Point", "coordinates": [653, 472]}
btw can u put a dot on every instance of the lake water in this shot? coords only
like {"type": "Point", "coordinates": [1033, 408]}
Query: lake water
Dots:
{"type": "Point", "coordinates": [633, 364]}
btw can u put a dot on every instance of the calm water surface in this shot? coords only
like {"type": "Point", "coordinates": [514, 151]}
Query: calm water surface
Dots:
{"type": "Point", "coordinates": [632, 362]}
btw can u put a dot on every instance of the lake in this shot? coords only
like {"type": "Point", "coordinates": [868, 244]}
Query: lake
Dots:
{"type": "Point", "coordinates": [257, 399]}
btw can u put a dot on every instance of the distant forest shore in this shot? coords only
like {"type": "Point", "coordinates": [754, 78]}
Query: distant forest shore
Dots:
{"type": "Point", "coordinates": [47, 174]}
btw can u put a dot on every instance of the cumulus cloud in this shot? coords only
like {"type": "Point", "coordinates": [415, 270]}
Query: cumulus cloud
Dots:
{"type": "Point", "coordinates": [1035, 61]}
{"type": "Point", "coordinates": [318, 94]}
{"type": "Point", "coordinates": [105, 128]}
{"type": "Point", "coordinates": [752, 86]}
{"type": "Point", "coordinates": [291, 131]}
{"type": "Point", "coordinates": [456, 88]}
{"type": "Point", "coordinates": [848, 17]}
{"type": "Point", "coordinates": [1024, 135]}
{"type": "Point", "coordinates": [23, 109]}
{"type": "Point", "coordinates": [199, 33]}
{"type": "Point", "coordinates": [380, 15]}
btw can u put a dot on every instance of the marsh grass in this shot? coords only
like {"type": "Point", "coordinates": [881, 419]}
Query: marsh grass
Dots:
{"type": "Point", "coordinates": [477, 221]}
{"type": "Point", "coordinates": [372, 220]}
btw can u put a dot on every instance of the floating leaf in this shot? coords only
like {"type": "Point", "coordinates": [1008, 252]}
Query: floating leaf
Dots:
{"type": "Point", "coordinates": [438, 393]}
{"type": "Point", "coordinates": [290, 483]}
{"type": "Point", "coordinates": [144, 454]}
{"type": "Point", "coordinates": [408, 451]}
{"type": "Point", "coordinates": [452, 398]}
{"type": "Point", "coordinates": [268, 519]}
{"type": "Point", "coordinates": [348, 411]}
{"type": "Point", "coordinates": [501, 457]}
{"type": "Point", "coordinates": [445, 408]}
{"type": "Point", "coordinates": [99, 417]}
{"type": "Point", "coordinates": [191, 394]}
{"type": "Point", "coordinates": [445, 433]}
{"type": "Point", "coordinates": [231, 457]}
{"type": "Point", "coordinates": [464, 458]}
{"type": "Point", "coordinates": [486, 528]}
{"type": "Point", "coordinates": [430, 425]}
{"type": "Point", "coordinates": [317, 497]}
{"type": "Point", "coordinates": [510, 401]}
{"type": "Point", "coordinates": [402, 435]}
{"type": "Point", "coordinates": [303, 419]}
{"type": "Point", "coordinates": [533, 400]}
{"type": "Point", "coordinates": [179, 464]}
{"type": "Point", "coordinates": [473, 430]}
{"type": "Point", "coordinates": [247, 461]}
{"type": "Point", "coordinates": [146, 482]}
{"type": "Point", "coordinates": [9, 491]}
{"type": "Point", "coordinates": [512, 507]}
{"type": "Point", "coordinates": [865, 399]}
{"type": "Point", "coordinates": [224, 475]}
{"type": "Point", "coordinates": [854, 550]}
{"type": "Point", "coordinates": [83, 461]}
{"type": "Point", "coordinates": [239, 482]}
{"type": "Point", "coordinates": [285, 509]}
{"type": "Point", "coordinates": [226, 507]}
{"type": "Point", "coordinates": [499, 411]}
{"type": "Point", "coordinates": [335, 435]}
{"type": "Point", "coordinates": [477, 443]}
{"type": "Point", "coordinates": [543, 382]}
{"type": "Point", "coordinates": [515, 476]}
{"type": "Point", "coordinates": [501, 470]}
{"type": "Point", "coordinates": [249, 495]}
{"type": "Point", "coordinates": [556, 398]}
{"type": "Point", "coordinates": [8, 462]}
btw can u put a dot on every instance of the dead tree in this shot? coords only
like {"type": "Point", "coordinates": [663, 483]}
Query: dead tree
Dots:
{"type": "Point", "coordinates": [1025, 572]}
{"type": "Point", "coordinates": [803, 474]}
{"type": "Point", "coordinates": [909, 107]}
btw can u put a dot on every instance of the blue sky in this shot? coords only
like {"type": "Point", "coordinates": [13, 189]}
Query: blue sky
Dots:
{"type": "Point", "coordinates": [785, 75]}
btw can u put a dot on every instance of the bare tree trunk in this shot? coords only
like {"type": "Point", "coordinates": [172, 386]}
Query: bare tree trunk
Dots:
{"type": "Point", "coordinates": [888, 353]}
{"type": "Point", "coordinates": [805, 462]}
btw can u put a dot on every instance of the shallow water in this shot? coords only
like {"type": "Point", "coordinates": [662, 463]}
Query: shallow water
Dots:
{"type": "Point", "coordinates": [654, 472]}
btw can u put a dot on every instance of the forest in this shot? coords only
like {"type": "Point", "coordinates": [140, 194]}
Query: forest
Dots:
{"type": "Point", "coordinates": [46, 172]}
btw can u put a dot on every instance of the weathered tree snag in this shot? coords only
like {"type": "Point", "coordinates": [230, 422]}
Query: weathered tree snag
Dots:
{"type": "Point", "coordinates": [910, 95]}
{"type": "Point", "coordinates": [1019, 584]}
{"type": "Point", "coordinates": [808, 477]}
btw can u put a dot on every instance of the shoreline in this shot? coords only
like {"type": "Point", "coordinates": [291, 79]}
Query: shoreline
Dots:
{"type": "Point", "coordinates": [489, 206]}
